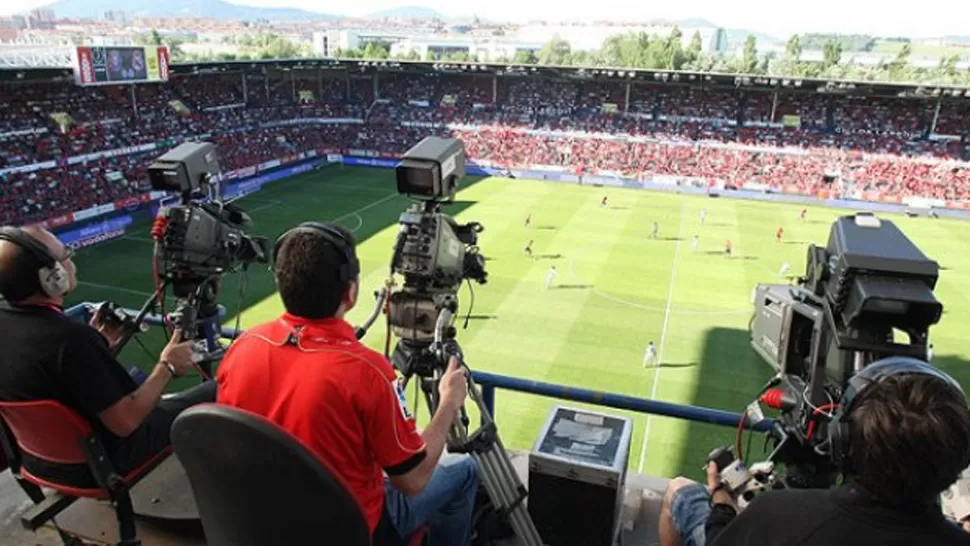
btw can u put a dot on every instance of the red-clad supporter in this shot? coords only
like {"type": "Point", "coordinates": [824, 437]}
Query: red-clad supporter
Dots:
{"type": "Point", "coordinates": [795, 140]}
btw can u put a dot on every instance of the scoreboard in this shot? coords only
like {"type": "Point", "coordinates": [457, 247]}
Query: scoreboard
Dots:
{"type": "Point", "coordinates": [120, 65]}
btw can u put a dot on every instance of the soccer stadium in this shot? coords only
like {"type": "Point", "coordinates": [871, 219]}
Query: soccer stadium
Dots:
{"type": "Point", "coordinates": [659, 200]}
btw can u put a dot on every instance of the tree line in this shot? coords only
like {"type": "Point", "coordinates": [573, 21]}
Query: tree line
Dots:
{"type": "Point", "coordinates": [656, 52]}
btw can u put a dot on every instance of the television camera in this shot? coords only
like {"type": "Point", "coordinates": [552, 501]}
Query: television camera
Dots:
{"type": "Point", "coordinates": [866, 295]}
{"type": "Point", "coordinates": [196, 243]}
{"type": "Point", "coordinates": [434, 254]}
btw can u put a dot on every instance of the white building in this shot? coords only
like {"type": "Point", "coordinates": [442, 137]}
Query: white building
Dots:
{"type": "Point", "coordinates": [591, 37]}
{"type": "Point", "coordinates": [484, 48]}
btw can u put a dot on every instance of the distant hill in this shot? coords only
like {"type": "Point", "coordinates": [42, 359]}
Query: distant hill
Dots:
{"type": "Point", "coordinates": [407, 12]}
{"type": "Point", "coordinates": [215, 9]}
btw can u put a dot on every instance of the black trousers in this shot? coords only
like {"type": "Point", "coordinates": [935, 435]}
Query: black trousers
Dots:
{"type": "Point", "coordinates": [154, 435]}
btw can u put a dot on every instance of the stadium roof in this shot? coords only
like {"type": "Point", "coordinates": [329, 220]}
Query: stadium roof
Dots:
{"type": "Point", "coordinates": [358, 66]}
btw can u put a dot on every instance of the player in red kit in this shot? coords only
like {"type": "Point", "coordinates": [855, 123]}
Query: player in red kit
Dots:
{"type": "Point", "coordinates": [779, 234]}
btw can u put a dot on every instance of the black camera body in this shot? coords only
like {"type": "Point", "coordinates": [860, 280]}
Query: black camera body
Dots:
{"type": "Point", "coordinates": [207, 238]}
{"type": "Point", "coordinates": [867, 283]}
{"type": "Point", "coordinates": [433, 253]}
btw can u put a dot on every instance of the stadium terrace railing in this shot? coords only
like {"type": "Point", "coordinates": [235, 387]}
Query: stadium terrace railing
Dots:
{"type": "Point", "coordinates": [490, 383]}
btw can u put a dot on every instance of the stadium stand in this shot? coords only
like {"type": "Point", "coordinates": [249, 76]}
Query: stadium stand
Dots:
{"type": "Point", "coordinates": [54, 136]}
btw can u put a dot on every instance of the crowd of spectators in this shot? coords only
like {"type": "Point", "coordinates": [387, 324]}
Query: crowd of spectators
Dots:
{"type": "Point", "coordinates": [795, 141]}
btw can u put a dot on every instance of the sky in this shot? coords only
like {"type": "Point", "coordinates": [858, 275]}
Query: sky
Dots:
{"type": "Point", "coordinates": [780, 18]}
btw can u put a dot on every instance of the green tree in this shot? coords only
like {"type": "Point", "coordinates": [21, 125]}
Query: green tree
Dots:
{"type": "Point", "coordinates": [673, 56]}
{"type": "Point", "coordinates": [948, 66]}
{"type": "Point", "coordinates": [831, 53]}
{"type": "Point", "coordinates": [375, 51]}
{"type": "Point", "coordinates": [430, 56]}
{"type": "Point", "coordinates": [749, 55]}
{"type": "Point", "coordinates": [554, 52]}
{"type": "Point", "coordinates": [897, 68]}
{"type": "Point", "coordinates": [696, 47]}
{"type": "Point", "coordinates": [525, 56]}
{"type": "Point", "coordinates": [793, 49]}
{"type": "Point", "coordinates": [155, 38]}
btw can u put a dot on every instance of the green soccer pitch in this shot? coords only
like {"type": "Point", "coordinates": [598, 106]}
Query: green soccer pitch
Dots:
{"type": "Point", "coordinates": [615, 291]}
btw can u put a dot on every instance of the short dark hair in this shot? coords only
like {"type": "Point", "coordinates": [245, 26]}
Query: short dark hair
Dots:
{"type": "Point", "coordinates": [910, 438]}
{"type": "Point", "coordinates": [308, 274]}
{"type": "Point", "coordinates": [18, 273]}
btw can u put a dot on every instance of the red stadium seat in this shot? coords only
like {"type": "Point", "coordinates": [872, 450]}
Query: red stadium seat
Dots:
{"type": "Point", "coordinates": [50, 445]}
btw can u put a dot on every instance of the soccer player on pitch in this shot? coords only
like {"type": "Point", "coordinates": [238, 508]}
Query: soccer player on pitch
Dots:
{"type": "Point", "coordinates": [727, 248]}
{"type": "Point", "coordinates": [550, 277]}
{"type": "Point", "coordinates": [528, 248]}
{"type": "Point", "coordinates": [528, 220]}
{"type": "Point", "coordinates": [779, 234]}
{"type": "Point", "coordinates": [803, 215]}
{"type": "Point", "coordinates": [693, 245]}
{"type": "Point", "coordinates": [603, 202]}
{"type": "Point", "coordinates": [656, 230]}
{"type": "Point", "coordinates": [785, 268]}
{"type": "Point", "coordinates": [650, 357]}
{"type": "Point", "coordinates": [703, 215]}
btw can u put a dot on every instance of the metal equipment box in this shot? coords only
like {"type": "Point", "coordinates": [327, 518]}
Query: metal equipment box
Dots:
{"type": "Point", "coordinates": [577, 472]}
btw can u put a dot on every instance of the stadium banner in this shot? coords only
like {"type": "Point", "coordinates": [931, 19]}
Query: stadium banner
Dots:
{"type": "Point", "coordinates": [23, 132]}
{"type": "Point", "coordinates": [419, 103]}
{"type": "Point", "coordinates": [96, 233]}
{"type": "Point", "coordinates": [221, 107]}
{"type": "Point", "coordinates": [267, 165]}
{"type": "Point", "coordinates": [29, 168]}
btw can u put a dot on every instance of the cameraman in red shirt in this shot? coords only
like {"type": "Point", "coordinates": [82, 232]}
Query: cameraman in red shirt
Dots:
{"type": "Point", "coordinates": [306, 372]}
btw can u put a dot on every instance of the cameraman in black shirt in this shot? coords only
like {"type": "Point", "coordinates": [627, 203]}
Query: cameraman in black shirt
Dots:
{"type": "Point", "coordinates": [47, 356]}
{"type": "Point", "coordinates": [909, 441]}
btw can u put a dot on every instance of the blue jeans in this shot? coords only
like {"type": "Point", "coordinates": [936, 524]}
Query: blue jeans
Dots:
{"type": "Point", "coordinates": [445, 504]}
{"type": "Point", "coordinates": [689, 509]}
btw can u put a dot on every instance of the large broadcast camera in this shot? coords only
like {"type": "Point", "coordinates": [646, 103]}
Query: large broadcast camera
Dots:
{"type": "Point", "coordinates": [859, 293]}
{"type": "Point", "coordinates": [434, 254]}
{"type": "Point", "coordinates": [197, 242]}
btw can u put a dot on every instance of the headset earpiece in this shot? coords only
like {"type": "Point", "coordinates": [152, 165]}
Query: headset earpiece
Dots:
{"type": "Point", "coordinates": [349, 270]}
{"type": "Point", "coordinates": [51, 275]}
{"type": "Point", "coordinates": [840, 428]}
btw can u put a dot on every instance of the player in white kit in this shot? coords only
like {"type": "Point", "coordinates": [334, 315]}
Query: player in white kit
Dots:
{"type": "Point", "coordinates": [650, 357]}
{"type": "Point", "coordinates": [785, 268]}
{"type": "Point", "coordinates": [550, 277]}
{"type": "Point", "coordinates": [693, 244]}
{"type": "Point", "coordinates": [703, 215]}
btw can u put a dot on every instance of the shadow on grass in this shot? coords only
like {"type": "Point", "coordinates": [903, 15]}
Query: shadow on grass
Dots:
{"type": "Point", "coordinates": [546, 256]}
{"type": "Point", "coordinates": [572, 286]}
{"type": "Point", "coordinates": [730, 375]}
{"type": "Point", "coordinates": [549, 228]}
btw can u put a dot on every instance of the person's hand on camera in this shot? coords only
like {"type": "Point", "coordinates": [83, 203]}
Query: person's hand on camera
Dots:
{"type": "Point", "coordinates": [179, 353]}
{"type": "Point", "coordinates": [719, 494]}
{"type": "Point", "coordinates": [111, 332]}
{"type": "Point", "coordinates": [453, 386]}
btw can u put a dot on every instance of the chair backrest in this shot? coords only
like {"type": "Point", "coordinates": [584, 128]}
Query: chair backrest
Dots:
{"type": "Point", "coordinates": [47, 430]}
{"type": "Point", "coordinates": [255, 484]}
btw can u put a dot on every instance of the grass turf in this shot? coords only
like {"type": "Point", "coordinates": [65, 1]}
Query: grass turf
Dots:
{"type": "Point", "coordinates": [616, 290]}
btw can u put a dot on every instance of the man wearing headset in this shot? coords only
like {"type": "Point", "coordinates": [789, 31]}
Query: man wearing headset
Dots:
{"type": "Point", "coordinates": [901, 437]}
{"type": "Point", "coordinates": [47, 356]}
{"type": "Point", "coordinates": [306, 372]}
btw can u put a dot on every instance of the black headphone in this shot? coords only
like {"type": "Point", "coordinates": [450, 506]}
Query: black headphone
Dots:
{"type": "Point", "coordinates": [51, 275]}
{"type": "Point", "coordinates": [840, 429]}
{"type": "Point", "coordinates": [349, 270]}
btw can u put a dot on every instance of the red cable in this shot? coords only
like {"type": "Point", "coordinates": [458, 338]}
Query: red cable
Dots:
{"type": "Point", "coordinates": [737, 439]}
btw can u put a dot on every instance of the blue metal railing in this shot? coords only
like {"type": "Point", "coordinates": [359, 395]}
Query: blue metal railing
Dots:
{"type": "Point", "coordinates": [490, 383]}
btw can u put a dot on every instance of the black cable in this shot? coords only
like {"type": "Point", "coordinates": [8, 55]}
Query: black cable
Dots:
{"type": "Point", "coordinates": [143, 348]}
{"type": "Point", "coordinates": [471, 305]}
{"type": "Point", "coordinates": [243, 287]}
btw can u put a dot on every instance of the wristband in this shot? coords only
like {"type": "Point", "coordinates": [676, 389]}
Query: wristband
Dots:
{"type": "Point", "coordinates": [170, 367]}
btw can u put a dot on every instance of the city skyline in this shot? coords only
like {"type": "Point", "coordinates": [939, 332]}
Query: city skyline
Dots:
{"type": "Point", "coordinates": [934, 18]}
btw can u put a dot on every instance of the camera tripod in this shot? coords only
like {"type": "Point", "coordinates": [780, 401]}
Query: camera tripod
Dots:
{"type": "Point", "coordinates": [196, 314]}
{"type": "Point", "coordinates": [502, 483]}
